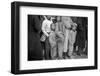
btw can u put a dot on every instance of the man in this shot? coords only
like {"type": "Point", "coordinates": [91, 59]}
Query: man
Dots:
{"type": "Point", "coordinates": [60, 37]}
{"type": "Point", "coordinates": [72, 39]}
{"type": "Point", "coordinates": [34, 45]}
{"type": "Point", "coordinates": [81, 35]}
{"type": "Point", "coordinates": [67, 22]}
{"type": "Point", "coordinates": [46, 31]}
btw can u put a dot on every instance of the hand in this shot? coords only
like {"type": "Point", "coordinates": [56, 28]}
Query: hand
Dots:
{"type": "Point", "coordinates": [47, 35]}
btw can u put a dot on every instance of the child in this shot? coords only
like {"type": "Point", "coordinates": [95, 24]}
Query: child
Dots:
{"type": "Point", "coordinates": [52, 41]}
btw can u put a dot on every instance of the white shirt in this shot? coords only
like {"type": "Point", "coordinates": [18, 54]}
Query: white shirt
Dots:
{"type": "Point", "coordinates": [67, 21]}
{"type": "Point", "coordinates": [46, 26]}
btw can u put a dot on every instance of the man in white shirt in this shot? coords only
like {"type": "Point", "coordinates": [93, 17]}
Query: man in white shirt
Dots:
{"type": "Point", "coordinates": [46, 26]}
{"type": "Point", "coordinates": [46, 30]}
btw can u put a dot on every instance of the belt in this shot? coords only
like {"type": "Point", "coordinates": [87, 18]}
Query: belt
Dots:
{"type": "Point", "coordinates": [69, 28]}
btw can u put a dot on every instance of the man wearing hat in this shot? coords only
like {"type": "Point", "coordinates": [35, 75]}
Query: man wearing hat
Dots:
{"type": "Point", "coordinates": [72, 39]}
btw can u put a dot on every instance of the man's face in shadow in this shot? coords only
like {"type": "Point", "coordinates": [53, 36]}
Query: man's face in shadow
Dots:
{"type": "Point", "coordinates": [48, 17]}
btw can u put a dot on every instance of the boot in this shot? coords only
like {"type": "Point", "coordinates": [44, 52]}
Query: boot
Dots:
{"type": "Point", "coordinates": [64, 55]}
{"type": "Point", "coordinates": [68, 56]}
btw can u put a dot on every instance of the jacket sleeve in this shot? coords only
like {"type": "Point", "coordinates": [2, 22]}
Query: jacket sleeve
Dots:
{"type": "Point", "coordinates": [37, 26]}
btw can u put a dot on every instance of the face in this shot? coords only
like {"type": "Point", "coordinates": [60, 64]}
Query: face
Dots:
{"type": "Point", "coordinates": [74, 26]}
{"type": "Point", "coordinates": [53, 26]}
{"type": "Point", "coordinates": [48, 17]}
{"type": "Point", "coordinates": [58, 18]}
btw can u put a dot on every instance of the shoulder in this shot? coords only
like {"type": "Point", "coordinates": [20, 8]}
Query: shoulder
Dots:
{"type": "Point", "coordinates": [45, 21]}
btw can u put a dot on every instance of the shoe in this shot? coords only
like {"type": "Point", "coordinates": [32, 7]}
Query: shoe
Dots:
{"type": "Point", "coordinates": [68, 56]}
{"type": "Point", "coordinates": [64, 55]}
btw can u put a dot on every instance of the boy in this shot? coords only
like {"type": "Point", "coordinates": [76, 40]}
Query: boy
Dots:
{"type": "Point", "coordinates": [52, 41]}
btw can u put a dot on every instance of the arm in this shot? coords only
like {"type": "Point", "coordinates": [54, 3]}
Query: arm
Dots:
{"type": "Point", "coordinates": [36, 24]}
{"type": "Point", "coordinates": [56, 30]}
{"type": "Point", "coordinates": [75, 36]}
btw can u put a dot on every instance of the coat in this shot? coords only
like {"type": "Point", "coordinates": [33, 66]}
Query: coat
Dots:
{"type": "Point", "coordinates": [34, 44]}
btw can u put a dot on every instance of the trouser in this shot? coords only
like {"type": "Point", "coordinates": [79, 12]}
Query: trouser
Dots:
{"type": "Point", "coordinates": [72, 37]}
{"type": "Point", "coordinates": [53, 46]}
{"type": "Point", "coordinates": [53, 52]}
{"type": "Point", "coordinates": [47, 49]}
{"type": "Point", "coordinates": [43, 49]}
{"type": "Point", "coordinates": [66, 40]}
{"type": "Point", "coordinates": [70, 49]}
{"type": "Point", "coordinates": [60, 49]}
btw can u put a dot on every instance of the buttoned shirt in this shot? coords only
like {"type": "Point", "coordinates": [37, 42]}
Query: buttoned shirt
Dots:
{"type": "Point", "coordinates": [46, 26]}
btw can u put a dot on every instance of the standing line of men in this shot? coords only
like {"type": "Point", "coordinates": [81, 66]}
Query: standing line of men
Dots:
{"type": "Point", "coordinates": [58, 37]}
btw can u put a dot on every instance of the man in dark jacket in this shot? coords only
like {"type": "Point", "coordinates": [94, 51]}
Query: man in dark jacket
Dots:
{"type": "Point", "coordinates": [81, 34]}
{"type": "Point", "coordinates": [34, 45]}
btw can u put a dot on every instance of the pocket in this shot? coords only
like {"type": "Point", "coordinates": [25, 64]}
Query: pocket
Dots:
{"type": "Point", "coordinates": [43, 38]}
